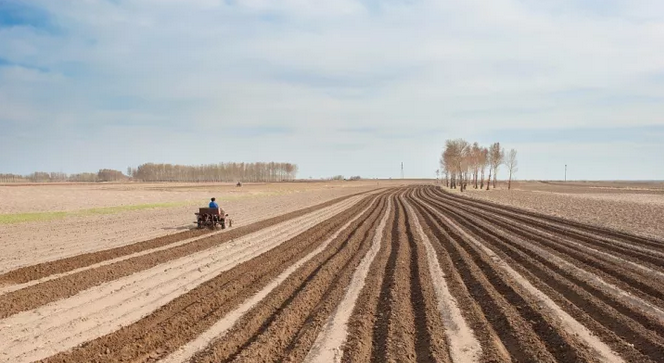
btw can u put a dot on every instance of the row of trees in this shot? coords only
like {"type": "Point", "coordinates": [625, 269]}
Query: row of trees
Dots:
{"type": "Point", "coordinates": [463, 163]}
{"type": "Point", "coordinates": [58, 177]}
{"type": "Point", "coordinates": [222, 172]}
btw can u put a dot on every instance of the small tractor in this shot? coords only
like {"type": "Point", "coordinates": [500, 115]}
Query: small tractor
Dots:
{"type": "Point", "coordinates": [211, 217]}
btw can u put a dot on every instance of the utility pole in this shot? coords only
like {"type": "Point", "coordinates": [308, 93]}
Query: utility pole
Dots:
{"type": "Point", "coordinates": [565, 172]}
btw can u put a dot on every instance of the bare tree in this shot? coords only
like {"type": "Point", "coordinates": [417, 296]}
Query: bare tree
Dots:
{"type": "Point", "coordinates": [512, 166]}
{"type": "Point", "coordinates": [483, 162]}
{"type": "Point", "coordinates": [496, 157]}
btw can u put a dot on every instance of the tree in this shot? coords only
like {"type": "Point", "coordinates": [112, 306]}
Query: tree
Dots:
{"type": "Point", "coordinates": [496, 157]}
{"type": "Point", "coordinates": [110, 175]}
{"type": "Point", "coordinates": [512, 166]}
{"type": "Point", "coordinates": [474, 156]}
{"type": "Point", "coordinates": [484, 162]}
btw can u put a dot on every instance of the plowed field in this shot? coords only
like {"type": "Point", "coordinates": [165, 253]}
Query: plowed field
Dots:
{"type": "Point", "coordinates": [408, 274]}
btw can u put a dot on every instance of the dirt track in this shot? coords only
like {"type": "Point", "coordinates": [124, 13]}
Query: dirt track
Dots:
{"type": "Point", "coordinates": [408, 274]}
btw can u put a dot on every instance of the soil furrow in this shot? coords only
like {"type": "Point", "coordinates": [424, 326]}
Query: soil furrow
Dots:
{"type": "Point", "coordinates": [619, 242]}
{"type": "Point", "coordinates": [382, 329]}
{"type": "Point", "coordinates": [462, 344]}
{"type": "Point", "coordinates": [219, 329]}
{"type": "Point", "coordinates": [561, 222]}
{"type": "Point", "coordinates": [430, 341]}
{"type": "Point", "coordinates": [627, 279]}
{"type": "Point", "coordinates": [192, 313]}
{"type": "Point", "coordinates": [562, 235]}
{"type": "Point", "coordinates": [645, 311]}
{"type": "Point", "coordinates": [515, 334]}
{"type": "Point", "coordinates": [41, 294]}
{"type": "Point", "coordinates": [269, 330]}
{"type": "Point", "coordinates": [493, 349]}
{"type": "Point", "coordinates": [330, 341]}
{"type": "Point", "coordinates": [542, 314]}
{"type": "Point", "coordinates": [34, 272]}
{"type": "Point", "coordinates": [594, 310]}
{"type": "Point", "coordinates": [365, 315]}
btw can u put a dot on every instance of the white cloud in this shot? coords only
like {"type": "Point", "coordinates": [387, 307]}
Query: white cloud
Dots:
{"type": "Point", "coordinates": [317, 66]}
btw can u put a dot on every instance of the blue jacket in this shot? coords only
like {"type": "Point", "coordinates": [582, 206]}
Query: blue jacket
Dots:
{"type": "Point", "coordinates": [214, 205]}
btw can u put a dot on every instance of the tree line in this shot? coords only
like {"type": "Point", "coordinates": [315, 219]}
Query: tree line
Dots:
{"type": "Point", "coordinates": [222, 172]}
{"type": "Point", "coordinates": [150, 172]}
{"type": "Point", "coordinates": [463, 163]}
{"type": "Point", "coordinates": [104, 175]}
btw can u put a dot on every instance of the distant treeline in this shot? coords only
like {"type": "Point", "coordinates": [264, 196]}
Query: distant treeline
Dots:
{"type": "Point", "coordinates": [222, 172]}
{"type": "Point", "coordinates": [103, 175]}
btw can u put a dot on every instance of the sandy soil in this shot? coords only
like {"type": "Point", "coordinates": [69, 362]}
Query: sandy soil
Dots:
{"type": "Point", "coordinates": [90, 314]}
{"type": "Point", "coordinates": [407, 274]}
{"type": "Point", "coordinates": [33, 242]}
{"type": "Point", "coordinates": [74, 197]}
{"type": "Point", "coordinates": [630, 207]}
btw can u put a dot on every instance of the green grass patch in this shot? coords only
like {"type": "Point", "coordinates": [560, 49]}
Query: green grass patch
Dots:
{"type": "Point", "coordinates": [30, 217]}
{"type": "Point", "coordinates": [48, 216]}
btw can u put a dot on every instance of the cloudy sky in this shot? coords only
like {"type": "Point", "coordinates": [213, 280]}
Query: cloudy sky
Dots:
{"type": "Point", "coordinates": [349, 87]}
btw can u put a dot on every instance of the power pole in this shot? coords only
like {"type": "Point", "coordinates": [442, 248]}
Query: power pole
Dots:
{"type": "Point", "coordinates": [402, 170]}
{"type": "Point", "coordinates": [565, 172]}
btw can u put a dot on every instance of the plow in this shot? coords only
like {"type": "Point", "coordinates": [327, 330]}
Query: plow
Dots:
{"type": "Point", "coordinates": [212, 217]}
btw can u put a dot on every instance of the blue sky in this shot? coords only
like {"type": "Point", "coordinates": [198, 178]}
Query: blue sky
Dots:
{"type": "Point", "coordinates": [349, 87]}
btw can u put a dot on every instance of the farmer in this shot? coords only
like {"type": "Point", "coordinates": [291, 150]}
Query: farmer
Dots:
{"type": "Point", "coordinates": [214, 204]}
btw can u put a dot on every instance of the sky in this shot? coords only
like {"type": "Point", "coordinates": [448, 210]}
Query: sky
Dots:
{"type": "Point", "coordinates": [350, 87]}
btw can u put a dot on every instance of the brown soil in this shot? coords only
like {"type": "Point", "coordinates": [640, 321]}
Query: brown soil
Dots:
{"type": "Point", "coordinates": [192, 313]}
{"type": "Point", "coordinates": [41, 294]}
{"type": "Point", "coordinates": [531, 287]}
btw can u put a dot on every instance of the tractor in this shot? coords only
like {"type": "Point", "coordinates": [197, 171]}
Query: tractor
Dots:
{"type": "Point", "coordinates": [211, 217]}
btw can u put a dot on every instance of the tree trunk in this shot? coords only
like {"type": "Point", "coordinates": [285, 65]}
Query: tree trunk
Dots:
{"type": "Point", "coordinates": [494, 177]}
{"type": "Point", "coordinates": [482, 180]}
{"type": "Point", "coordinates": [509, 182]}
{"type": "Point", "coordinates": [488, 181]}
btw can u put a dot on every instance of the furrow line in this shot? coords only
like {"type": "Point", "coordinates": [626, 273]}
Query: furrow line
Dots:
{"type": "Point", "coordinates": [654, 311]}
{"type": "Point", "coordinates": [329, 343]}
{"type": "Point", "coordinates": [562, 239]}
{"type": "Point", "coordinates": [591, 307]}
{"type": "Point", "coordinates": [67, 286]}
{"type": "Point", "coordinates": [359, 345]}
{"type": "Point", "coordinates": [283, 326]}
{"type": "Point", "coordinates": [463, 345]}
{"type": "Point", "coordinates": [42, 270]}
{"type": "Point", "coordinates": [583, 229]}
{"type": "Point", "coordinates": [644, 287]}
{"type": "Point", "coordinates": [106, 305]}
{"type": "Point", "coordinates": [221, 327]}
{"type": "Point", "coordinates": [645, 249]}
{"type": "Point", "coordinates": [560, 332]}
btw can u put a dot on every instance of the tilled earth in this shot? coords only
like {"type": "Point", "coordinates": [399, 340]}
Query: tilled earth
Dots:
{"type": "Point", "coordinates": [409, 274]}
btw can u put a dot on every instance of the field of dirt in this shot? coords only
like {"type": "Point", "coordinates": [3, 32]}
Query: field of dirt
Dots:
{"type": "Point", "coordinates": [396, 274]}
{"type": "Point", "coordinates": [633, 207]}
{"type": "Point", "coordinates": [84, 232]}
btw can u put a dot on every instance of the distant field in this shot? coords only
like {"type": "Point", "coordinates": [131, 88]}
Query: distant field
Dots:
{"type": "Point", "coordinates": [634, 207]}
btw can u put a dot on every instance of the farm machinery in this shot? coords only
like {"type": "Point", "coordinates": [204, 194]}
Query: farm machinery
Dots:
{"type": "Point", "coordinates": [211, 217]}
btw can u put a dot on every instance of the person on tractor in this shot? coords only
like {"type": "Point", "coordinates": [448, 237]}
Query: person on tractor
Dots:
{"type": "Point", "coordinates": [213, 203]}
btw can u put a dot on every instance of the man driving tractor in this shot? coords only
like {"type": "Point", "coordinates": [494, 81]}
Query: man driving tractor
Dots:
{"type": "Point", "coordinates": [212, 216]}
